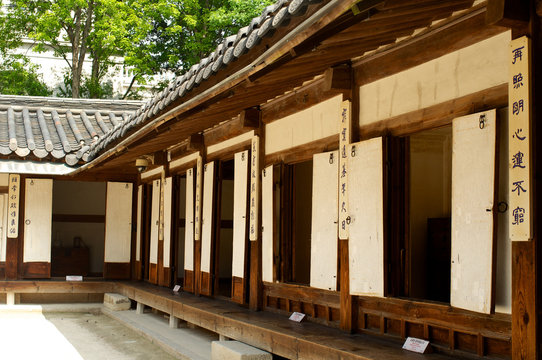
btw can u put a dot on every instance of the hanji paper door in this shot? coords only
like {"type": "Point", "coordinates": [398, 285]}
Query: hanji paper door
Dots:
{"type": "Point", "coordinates": [154, 227]}
{"type": "Point", "coordinates": [207, 228]}
{"type": "Point", "coordinates": [165, 277]}
{"type": "Point", "coordinates": [473, 184]}
{"type": "Point", "coordinates": [239, 251]}
{"type": "Point", "coordinates": [188, 284]}
{"type": "Point", "coordinates": [38, 212]}
{"type": "Point", "coordinates": [118, 230]}
{"type": "Point", "coordinates": [325, 182]}
{"type": "Point", "coordinates": [139, 232]}
{"type": "Point", "coordinates": [366, 211]}
{"type": "Point", "coordinates": [267, 224]}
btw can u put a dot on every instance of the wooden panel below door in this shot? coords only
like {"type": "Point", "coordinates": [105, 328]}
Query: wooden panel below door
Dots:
{"type": "Point", "coordinates": [137, 270]}
{"type": "Point", "coordinates": [188, 284]}
{"type": "Point", "coordinates": [2, 270]}
{"type": "Point", "coordinates": [36, 270]}
{"type": "Point", "coordinates": [153, 273]}
{"type": "Point", "coordinates": [116, 270]}
{"type": "Point", "coordinates": [165, 278]}
{"type": "Point", "coordinates": [206, 284]}
{"type": "Point", "coordinates": [238, 289]}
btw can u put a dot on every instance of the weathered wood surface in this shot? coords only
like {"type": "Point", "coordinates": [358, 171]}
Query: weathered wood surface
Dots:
{"type": "Point", "coordinates": [271, 332]}
{"type": "Point", "coordinates": [57, 287]}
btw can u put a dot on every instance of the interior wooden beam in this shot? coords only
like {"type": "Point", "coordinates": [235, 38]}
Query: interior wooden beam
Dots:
{"type": "Point", "coordinates": [195, 143]}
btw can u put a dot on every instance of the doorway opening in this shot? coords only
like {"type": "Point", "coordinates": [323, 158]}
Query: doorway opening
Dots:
{"type": "Point", "coordinates": [224, 228]}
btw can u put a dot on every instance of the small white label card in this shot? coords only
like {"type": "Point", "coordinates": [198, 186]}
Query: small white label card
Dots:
{"type": "Point", "coordinates": [74, 278]}
{"type": "Point", "coordinates": [297, 317]}
{"type": "Point", "coordinates": [416, 345]}
{"type": "Point", "coordinates": [176, 288]}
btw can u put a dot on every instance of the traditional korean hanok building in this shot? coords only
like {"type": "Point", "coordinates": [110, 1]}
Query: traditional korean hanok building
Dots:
{"type": "Point", "coordinates": [372, 164]}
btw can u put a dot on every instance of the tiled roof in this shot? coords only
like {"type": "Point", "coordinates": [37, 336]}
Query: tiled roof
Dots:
{"type": "Point", "coordinates": [59, 128]}
{"type": "Point", "coordinates": [230, 49]}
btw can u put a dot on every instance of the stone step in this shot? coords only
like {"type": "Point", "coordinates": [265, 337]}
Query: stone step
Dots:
{"type": "Point", "coordinates": [116, 302]}
{"type": "Point", "coordinates": [236, 350]}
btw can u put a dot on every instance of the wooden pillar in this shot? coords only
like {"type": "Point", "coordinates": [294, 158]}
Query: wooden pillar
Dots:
{"type": "Point", "coordinates": [256, 286]}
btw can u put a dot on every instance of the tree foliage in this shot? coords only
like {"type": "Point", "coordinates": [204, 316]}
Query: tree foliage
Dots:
{"type": "Point", "coordinates": [19, 77]}
{"type": "Point", "coordinates": [152, 36]}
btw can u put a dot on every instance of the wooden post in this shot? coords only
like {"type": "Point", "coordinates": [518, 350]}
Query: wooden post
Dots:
{"type": "Point", "coordinates": [256, 287]}
{"type": "Point", "coordinates": [527, 254]}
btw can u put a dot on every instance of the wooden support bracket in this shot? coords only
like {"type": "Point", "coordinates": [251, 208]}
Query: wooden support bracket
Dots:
{"type": "Point", "coordinates": [508, 13]}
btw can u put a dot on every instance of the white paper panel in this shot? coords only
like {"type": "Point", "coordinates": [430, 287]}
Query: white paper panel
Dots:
{"type": "Point", "coordinates": [168, 197]}
{"type": "Point", "coordinates": [38, 220]}
{"type": "Point", "coordinates": [325, 182]}
{"type": "Point", "coordinates": [207, 216]}
{"type": "Point", "coordinates": [118, 222]}
{"type": "Point", "coordinates": [267, 224]}
{"type": "Point", "coordinates": [365, 198]}
{"type": "Point", "coordinates": [189, 222]}
{"type": "Point", "coordinates": [139, 222]}
{"type": "Point", "coordinates": [473, 169]}
{"type": "Point", "coordinates": [155, 222]}
{"type": "Point", "coordinates": [3, 225]}
{"type": "Point", "coordinates": [239, 213]}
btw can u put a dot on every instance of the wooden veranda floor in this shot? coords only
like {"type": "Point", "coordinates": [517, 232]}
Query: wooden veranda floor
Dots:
{"type": "Point", "coordinates": [269, 331]}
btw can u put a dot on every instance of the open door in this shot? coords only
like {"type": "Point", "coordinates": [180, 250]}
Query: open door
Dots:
{"type": "Point", "coordinates": [239, 252]}
{"type": "Point", "coordinates": [267, 224]}
{"type": "Point", "coordinates": [188, 284]}
{"type": "Point", "coordinates": [154, 229]}
{"type": "Point", "coordinates": [366, 210]}
{"type": "Point", "coordinates": [324, 236]}
{"type": "Point", "coordinates": [118, 230]}
{"type": "Point", "coordinates": [139, 232]}
{"type": "Point", "coordinates": [206, 282]}
{"type": "Point", "coordinates": [473, 199]}
{"type": "Point", "coordinates": [38, 213]}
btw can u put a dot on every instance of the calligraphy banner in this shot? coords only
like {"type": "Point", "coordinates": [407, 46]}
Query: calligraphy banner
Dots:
{"type": "Point", "coordinates": [197, 212]}
{"type": "Point", "coordinates": [254, 188]}
{"type": "Point", "coordinates": [344, 142]}
{"type": "Point", "coordinates": [13, 205]}
{"type": "Point", "coordinates": [519, 114]}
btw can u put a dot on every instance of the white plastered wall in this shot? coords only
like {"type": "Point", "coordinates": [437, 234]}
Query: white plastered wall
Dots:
{"type": "Point", "coordinates": [267, 224]}
{"type": "Point", "coordinates": [139, 222]}
{"type": "Point", "coordinates": [317, 122]}
{"type": "Point", "coordinates": [207, 216]}
{"type": "Point", "coordinates": [462, 72]}
{"type": "Point", "coordinates": [3, 225]}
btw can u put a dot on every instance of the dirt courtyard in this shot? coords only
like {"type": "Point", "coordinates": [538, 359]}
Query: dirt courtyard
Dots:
{"type": "Point", "coordinates": [72, 336]}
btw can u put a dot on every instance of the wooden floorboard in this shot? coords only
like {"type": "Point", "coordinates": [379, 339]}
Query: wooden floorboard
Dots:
{"type": "Point", "coordinates": [269, 331]}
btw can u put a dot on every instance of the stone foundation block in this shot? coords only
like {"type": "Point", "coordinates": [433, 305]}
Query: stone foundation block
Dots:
{"type": "Point", "coordinates": [235, 350]}
{"type": "Point", "coordinates": [116, 302]}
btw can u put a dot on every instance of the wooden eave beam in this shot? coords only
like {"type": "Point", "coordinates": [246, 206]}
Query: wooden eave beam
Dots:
{"type": "Point", "coordinates": [336, 80]}
{"type": "Point", "coordinates": [248, 119]}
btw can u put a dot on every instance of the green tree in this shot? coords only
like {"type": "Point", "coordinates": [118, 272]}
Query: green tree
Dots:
{"type": "Point", "coordinates": [184, 31]}
{"type": "Point", "coordinates": [19, 77]}
{"type": "Point", "coordinates": [74, 29]}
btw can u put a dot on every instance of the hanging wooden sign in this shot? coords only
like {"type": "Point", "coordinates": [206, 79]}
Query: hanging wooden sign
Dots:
{"type": "Point", "coordinates": [13, 205]}
{"type": "Point", "coordinates": [519, 113]}
{"type": "Point", "coordinates": [197, 212]}
{"type": "Point", "coordinates": [254, 188]}
{"type": "Point", "coordinates": [344, 141]}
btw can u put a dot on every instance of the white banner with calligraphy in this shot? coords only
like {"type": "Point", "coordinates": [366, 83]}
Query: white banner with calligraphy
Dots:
{"type": "Point", "coordinates": [13, 205]}
{"type": "Point", "coordinates": [197, 212]}
{"type": "Point", "coordinates": [344, 142]}
{"type": "Point", "coordinates": [519, 114]}
{"type": "Point", "coordinates": [254, 188]}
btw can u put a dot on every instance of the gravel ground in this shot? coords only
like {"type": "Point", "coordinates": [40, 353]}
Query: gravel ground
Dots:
{"type": "Point", "coordinates": [72, 336]}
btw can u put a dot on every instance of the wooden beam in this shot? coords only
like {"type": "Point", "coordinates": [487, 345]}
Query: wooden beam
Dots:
{"type": "Point", "coordinates": [195, 143]}
{"type": "Point", "coordinates": [508, 13]}
{"type": "Point", "coordinates": [248, 119]}
{"type": "Point", "coordinates": [438, 115]}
